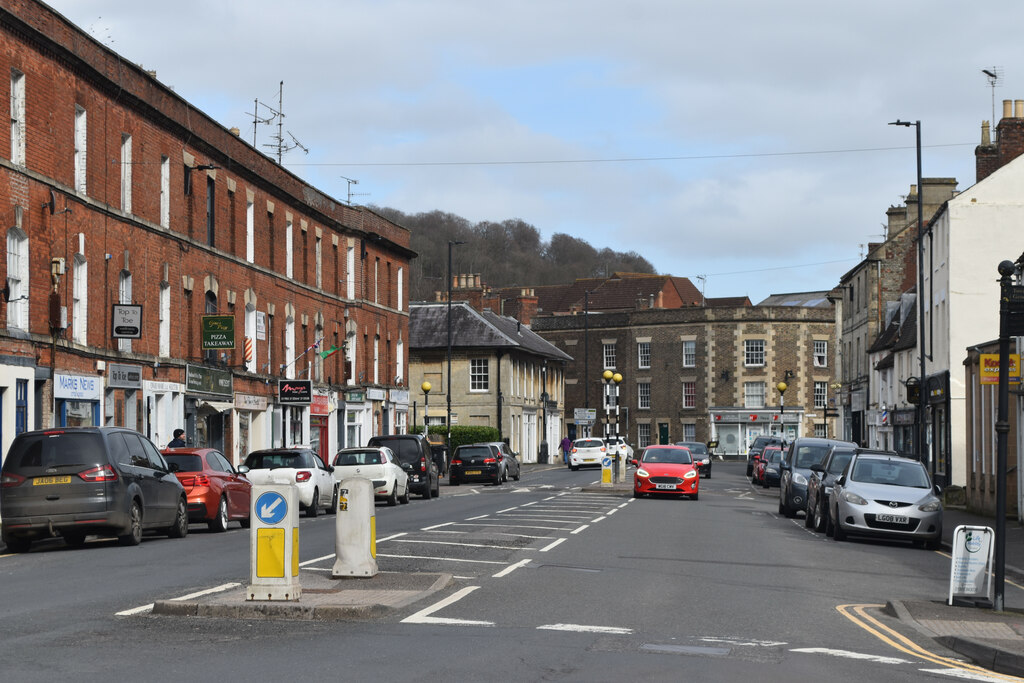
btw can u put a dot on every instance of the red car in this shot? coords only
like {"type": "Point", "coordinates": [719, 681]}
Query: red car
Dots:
{"type": "Point", "coordinates": [217, 492]}
{"type": "Point", "coordinates": [666, 469]}
{"type": "Point", "coordinates": [760, 462]}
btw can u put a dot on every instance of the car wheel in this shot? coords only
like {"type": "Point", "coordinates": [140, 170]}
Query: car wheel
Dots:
{"type": "Point", "coordinates": [709, 474]}
{"type": "Point", "coordinates": [764, 482]}
{"type": "Point", "coordinates": [809, 518]}
{"type": "Point", "coordinates": [516, 478]}
{"type": "Point", "coordinates": [437, 487]}
{"type": "Point", "coordinates": [782, 509]}
{"type": "Point", "coordinates": [314, 507]}
{"type": "Point", "coordinates": [393, 498]}
{"type": "Point", "coordinates": [820, 515]}
{"type": "Point", "coordinates": [837, 530]}
{"type": "Point", "coordinates": [220, 522]}
{"type": "Point", "coordinates": [453, 480]}
{"type": "Point", "coordinates": [497, 480]}
{"type": "Point", "coordinates": [829, 527]}
{"type": "Point", "coordinates": [75, 539]}
{"type": "Point", "coordinates": [134, 535]}
{"type": "Point", "coordinates": [426, 492]}
{"type": "Point", "coordinates": [404, 500]}
{"type": "Point", "coordinates": [18, 545]}
{"type": "Point", "coordinates": [574, 468]}
{"type": "Point", "coordinates": [334, 500]}
{"type": "Point", "coordinates": [180, 527]}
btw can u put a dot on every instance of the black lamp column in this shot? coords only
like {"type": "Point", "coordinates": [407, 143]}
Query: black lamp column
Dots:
{"type": "Point", "coordinates": [448, 425]}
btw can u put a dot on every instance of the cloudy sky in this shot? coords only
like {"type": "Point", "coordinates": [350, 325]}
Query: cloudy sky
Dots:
{"type": "Point", "coordinates": [741, 141]}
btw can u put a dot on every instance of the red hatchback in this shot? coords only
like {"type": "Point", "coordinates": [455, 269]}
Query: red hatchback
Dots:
{"type": "Point", "coordinates": [217, 492]}
{"type": "Point", "coordinates": [666, 469]}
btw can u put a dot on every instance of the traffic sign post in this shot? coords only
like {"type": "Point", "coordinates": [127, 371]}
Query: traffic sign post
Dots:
{"type": "Point", "coordinates": [606, 470]}
{"type": "Point", "coordinates": [274, 543]}
{"type": "Point", "coordinates": [355, 536]}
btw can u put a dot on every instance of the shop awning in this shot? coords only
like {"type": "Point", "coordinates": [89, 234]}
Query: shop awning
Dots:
{"type": "Point", "coordinates": [217, 406]}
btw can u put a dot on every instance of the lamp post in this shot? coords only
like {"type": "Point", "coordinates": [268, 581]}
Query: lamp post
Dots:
{"type": "Point", "coordinates": [611, 424]}
{"type": "Point", "coordinates": [543, 457]}
{"type": "Point", "coordinates": [921, 407]}
{"type": "Point", "coordinates": [782, 386]}
{"type": "Point", "coordinates": [426, 387]}
{"type": "Point", "coordinates": [1010, 301]}
{"type": "Point", "coordinates": [448, 420]}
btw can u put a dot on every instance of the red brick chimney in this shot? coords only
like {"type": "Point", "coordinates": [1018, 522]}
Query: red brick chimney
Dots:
{"type": "Point", "coordinates": [1009, 141]}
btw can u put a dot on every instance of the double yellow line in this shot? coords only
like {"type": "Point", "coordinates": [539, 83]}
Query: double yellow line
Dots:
{"type": "Point", "coordinates": [859, 616]}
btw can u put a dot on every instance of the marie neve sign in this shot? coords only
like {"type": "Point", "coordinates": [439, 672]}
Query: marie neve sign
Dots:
{"type": "Point", "coordinates": [295, 392]}
{"type": "Point", "coordinates": [126, 321]}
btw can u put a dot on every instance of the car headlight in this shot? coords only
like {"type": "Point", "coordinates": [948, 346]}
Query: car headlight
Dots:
{"type": "Point", "coordinates": [690, 475]}
{"type": "Point", "coordinates": [851, 497]}
{"type": "Point", "coordinates": [799, 479]}
{"type": "Point", "coordinates": [642, 473]}
{"type": "Point", "coordinates": [931, 506]}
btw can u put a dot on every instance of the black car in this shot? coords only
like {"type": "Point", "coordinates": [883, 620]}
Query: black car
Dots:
{"type": "Point", "coordinates": [77, 481]}
{"type": "Point", "coordinates": [758, 446]}
{"type": "Point", "coordinates": [701, 456]}
{"type": "Point", "coordinates": [819, 486]}
{"type": "Point", "coordinates": [796, 464]}
{"type": "Point", "coordinates": [414, 455]}
{"type": "Point", "coordinates": [477, 462]}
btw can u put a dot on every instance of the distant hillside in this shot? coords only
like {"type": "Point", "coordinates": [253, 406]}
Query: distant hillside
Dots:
{"type": "Point", "coordinates": [505, 254]}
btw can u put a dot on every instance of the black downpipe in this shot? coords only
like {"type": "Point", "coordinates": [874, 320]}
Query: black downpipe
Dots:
{"type": "Point", "coordinates": [501, 434]}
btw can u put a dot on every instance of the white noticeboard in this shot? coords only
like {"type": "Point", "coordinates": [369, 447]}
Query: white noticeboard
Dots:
{"type": "Point", "coordinates": [970, 574]}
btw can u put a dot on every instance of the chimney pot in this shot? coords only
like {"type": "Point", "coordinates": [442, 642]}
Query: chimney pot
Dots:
{"type": "Point", "coordinates": [986, 134]}
{"type": "Point", "coordinates": [1007, 109]}
{"type": "Point", "coordinates": [1018, 109]}
{"type": "Point", "coordinates": [236, 131]}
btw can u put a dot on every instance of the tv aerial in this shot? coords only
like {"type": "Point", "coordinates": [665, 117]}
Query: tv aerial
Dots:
{"type": "Point", "coordinates": [279, 143]}
{"type": "Point", "coordinates": [993, 75]}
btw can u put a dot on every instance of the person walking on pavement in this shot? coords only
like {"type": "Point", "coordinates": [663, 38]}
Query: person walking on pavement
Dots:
{"type": "Point", "coordinates": [179, 439]}
{"type": "Point", "coordinates": [566, 447]}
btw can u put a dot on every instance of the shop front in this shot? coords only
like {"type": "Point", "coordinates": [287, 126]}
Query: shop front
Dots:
{"type": "Point", "coordinates": [250, 418]}
{"type": "Point", "coordinates": [164, 408]}
{"type": "Point", "coordinates": [77, 400]}
{"type": "Point", "coordinates": [399, 400]}
{"type": "Point", "coordinates": [209, 400]}
{"type": "Point", "coordinates": [294, 396]}
{"type": "Point", "coordinates": [319, 421]}
{"type": "Point", "coordinates": [122, 399]}
{"type": "Point", "coordinates": [736, 428]}
{"type": "Point", "coordinates": [378, 400]}
{"type": "Point", "coordinates": [354, 419]}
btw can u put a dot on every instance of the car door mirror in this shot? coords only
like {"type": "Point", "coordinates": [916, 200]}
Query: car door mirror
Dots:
{"type": "Point", "coordinates": [243, 470]}
{"type": "Point", "coordinates": [841, 481]}
{"type": "Point", "coordinates": [938, 490]}
{"type": "Point", "coordinates": [173, 467]}
{"type": "Point", "coordinates": [817, 468]}
{"type": "Point", "coordinates": [633, 462]}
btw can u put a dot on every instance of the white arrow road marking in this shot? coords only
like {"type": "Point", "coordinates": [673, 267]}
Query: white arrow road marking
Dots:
{"type": "Point", "coordinates": [423, 616]}
{"type": "Point", "coordinates": [582, 628]}
{"type": "Point", "coordinates": [748, 643]}
{"type": "Point", "coordinates": [268, 509]}
{"type": "Point", "coordinates": [851, 655]}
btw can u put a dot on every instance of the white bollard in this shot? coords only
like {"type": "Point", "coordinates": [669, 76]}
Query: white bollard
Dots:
{"type": "Point", "coordinates": [274, 543]}
{"type": "Point", "coordinates": [355, 540]}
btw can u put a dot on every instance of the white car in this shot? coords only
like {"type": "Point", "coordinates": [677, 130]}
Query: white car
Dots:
{"type": "Point", "coordinates": [617, 443]}
{"type": "Point", "coordinates": [390, 482]}
{"type": "Point", "coordinates": [301, 466]}
{"type": "Point", "coordinates": [588, 451]}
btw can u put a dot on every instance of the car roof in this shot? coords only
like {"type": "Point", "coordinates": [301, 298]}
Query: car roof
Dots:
{"type": "Point", "coordinates": [665, 445]}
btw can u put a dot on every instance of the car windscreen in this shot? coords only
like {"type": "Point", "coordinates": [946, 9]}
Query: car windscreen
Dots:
{"type": "Point", "coordinates": [695, 447]}
{"type": "Point", "coordinates": [674, 456]}
{"type": "Point", "coordinates": [775, 456]}
{"type": "Point", "coordinates": [186, 462]}
{"type": "Point", "coordinates": [57, 449]}
{"type": "Point", "coordinates": [839, 462]}
{"type": "Point", "coordinates": [368, 457]}
{"type": "Point", "coordinates": [589, 443]}
{"type": "Point", "coordinates": [809, 455]}
{"type": "Point", "coordinates": [891, 472]}
{"type": "Point", "coordinates": [273, 459]}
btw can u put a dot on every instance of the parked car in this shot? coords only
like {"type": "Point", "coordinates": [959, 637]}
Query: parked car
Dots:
{"type": "Point", "coordinates": [757, 446]}
{"type": "Point", "coordinates": [701, 456]}
{"type": "Point", "coordinates": [771, 461]}
{"type": "Point", "coordinates": [761, 463]}
{"type": "Point", "coordinates": [618, 444]}
{"type": "Point", "coordinates": [217, 492]}
{"type": "Point", "coordinates": [665, 469]}
{"type": "Point", "coordinates": [477, 462]}
{"type": "Point", "coordinates": [77, 481]}
{"type": "Point", "coordinates": [795, 469]}
{"type": "Point", "coordinates": [587, 452]}
{"type": "Point", "coordinates": [881, 494]}
{"type": "Point", "coordinates": [510, 459]}
{"type": "Point", "coordinates": [819, 485]}
{"type": "Point", "coordinates": [314, 480]}
{"type": "Point", "coordinates": [414, 455]}
{"type": "Point", "coordinates": [379, 465]}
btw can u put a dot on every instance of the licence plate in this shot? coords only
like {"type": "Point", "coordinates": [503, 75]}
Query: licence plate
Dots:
{"type": "Point", "coordinates": [892, 519]}
{"type": "Point", "coordinates": [42, 481]}
{"type": "Point", "coordinates": [473, 472]}
{"type": "Point", "coordinates": [667, 487]}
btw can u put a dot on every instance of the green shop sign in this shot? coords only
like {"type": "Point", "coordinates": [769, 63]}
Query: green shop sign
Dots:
{"type": "Point", "coordinates": [218, 332]}
{"type": "Point", "coordinates": [200, 380]}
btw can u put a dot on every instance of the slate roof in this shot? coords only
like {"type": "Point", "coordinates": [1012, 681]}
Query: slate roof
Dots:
{"type": "Point", "coordinates": [799, 299]}
{"type": "Point", "coordinates": [428, 329]}
{"type": "Point", "coordinates": [621, 291]}
{"type": "Point", "coordinates": [727, 301]}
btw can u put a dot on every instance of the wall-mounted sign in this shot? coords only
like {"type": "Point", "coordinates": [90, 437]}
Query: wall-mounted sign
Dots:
{"type": "Point", "coordinates": [295, 392]}
{"type": "Point", "coordinates": [261, 325]}
{"type": "Point", "coordinates": [126, 321]}
{"type": "Point", "coordinates": [354, 397]}
{"type": "Point", "coordinates": [321, 404]}
{"type": "Point", "coordinates": [218, 332]}
{"type": "Point", "coordinates": [200, 380]}
{"type": "Point", "coordinates": [124, 376]}
{"type": "Point", "coordinates": [373, 394]}
{"type": "Point", "coordinates": [988, 368]}
{"type": "Point", "coordinates": [77, 387]}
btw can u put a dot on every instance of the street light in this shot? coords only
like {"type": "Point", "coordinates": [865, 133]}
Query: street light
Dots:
{"type": "Point", "coordinates": [543, 457]}
{"type": "Point", "coordinates": [451, 243]}
{"type": "Point", "coordinates": [921, 408]}
{"type": "Point", "coordinates": [426, 387]}
{"type": "Point", "coordinates": [782, 386]}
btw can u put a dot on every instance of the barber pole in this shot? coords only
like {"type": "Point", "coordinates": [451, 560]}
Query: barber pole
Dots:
{"type": "Point", "coordinates": [247, 349]}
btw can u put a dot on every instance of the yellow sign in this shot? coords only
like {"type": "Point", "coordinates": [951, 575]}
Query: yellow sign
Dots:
{"type": "Point", "coordinates": [988, 366]}
{"type": "Point", "coordinates": [270, 553]}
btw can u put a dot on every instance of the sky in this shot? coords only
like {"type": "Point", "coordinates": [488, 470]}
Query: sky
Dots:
{"type": "Point", "coordinates": [741, 144]}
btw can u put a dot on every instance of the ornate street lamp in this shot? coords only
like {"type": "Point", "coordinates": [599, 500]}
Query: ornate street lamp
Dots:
{"type": "Point", "coordinates": [426, 387]}
{"type": "Point", "coordinates": [782, 386]}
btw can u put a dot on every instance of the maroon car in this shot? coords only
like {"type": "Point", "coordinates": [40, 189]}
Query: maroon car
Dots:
{"type": "Point", "coordinates": [217, 492]}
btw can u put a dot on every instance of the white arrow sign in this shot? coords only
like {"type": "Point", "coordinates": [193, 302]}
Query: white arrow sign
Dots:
{"type": "Point", "coordinates": [268, 510]}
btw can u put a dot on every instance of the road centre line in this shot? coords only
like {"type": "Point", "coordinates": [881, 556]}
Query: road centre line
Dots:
{"type": "Point", "coordinates": [576, 531]}
{"type": "Point", "coordinates": [423, 616]}
{"type": "Point", "coordinates": [468, 545]}
{"type": "Point", "coordinates": [478, 517]}
{"type": "Point", "coordinates": [439, 559]}
{"type": "Point", "coordinates": [436, 526]}
{"type": "Point", "coordinates": [551, 546]}
{"type": "Point", "coordinates": [581, 628]}
{"type": "Point", "coordinates": [511, 568]}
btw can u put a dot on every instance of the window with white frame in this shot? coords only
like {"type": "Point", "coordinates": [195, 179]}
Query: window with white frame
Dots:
{"type": "Point", "coordinates": [820, 394]}
{"type": "Point", "coordinates": [80, 149]}
{"type": "Point", "coordinates": [689, 432]}
{"type": "Point", "coordinates": [124, 290]}
{"type": "Point", "coordinates": [250, 232]}
{"type": "Point", "coordinates": [478, 374]}
{"type": "Point", "coordinates": [126, 173]}
{"type": "Point", "coordinates": [288, 251]}
{"type": "Point", "coordinates": [350, 357]}
{"type": "Point", "coordinates": [376, 280]}
{"type": "Point", "coordinates": [165, 319]}
{"type": "Point", "coordinates": [400, 361]}
{"type": "Point", "coordinates": [689, 353]}
{"type": "Point", "coordinates": [289, 347]}
{"type": "Point", "coordinates": [689, 394]}
{"type": "Point", "coordinates": [318, 362]}
{"type": "Point", "coordinates": [753, 394]}
{"type": "Point", "coordinates": [376, 359]}
{"type": "Point", "coordinates": [165, 192]}
{"type": "Point", "coordinates": [643, 395]}
{"type": "Point", "coordinates": [820, 353]}
{"type": "Point", "coordinates": [17, 117]}
{"type": "Point", "coordinates": [643, 435]}
{"type": "Point", "coordinates": [401, 285]}
{"type": "Point", "coordinates": [350, 272]}
{"type": "Point", "coordinates": [318, 255]}
{"type": "Point", "coordinates": [80, 299]}
{"type": "Point", "coordinates": [820, 430]}
{"type": "Point", "coordinates": [609, 356]}
{"type": "Point", "coordinates": [643, 355]}
{"type": "Point", "coordinates": [753, 352]}
{"type": "Point", "coordinates": [17, 279]}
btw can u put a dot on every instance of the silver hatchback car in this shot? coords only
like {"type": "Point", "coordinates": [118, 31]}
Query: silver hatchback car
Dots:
{"type": "Point", "coordinates": [884, 495]}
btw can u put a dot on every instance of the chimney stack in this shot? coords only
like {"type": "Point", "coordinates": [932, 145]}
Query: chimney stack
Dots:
{"type": "Point", "coordinates": [1009, 145]}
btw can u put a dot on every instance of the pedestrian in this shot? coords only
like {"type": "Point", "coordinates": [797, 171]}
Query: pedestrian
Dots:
{"type": "Point", "coordinates": [566, 447]}
{"type": "Point", "coordinates": [179, 439]}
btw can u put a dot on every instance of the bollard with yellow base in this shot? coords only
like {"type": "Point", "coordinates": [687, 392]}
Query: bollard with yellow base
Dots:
{"type": "Point", "coordinates": [355, 538]}
{"type": "Point", "coordinates": [274, 543]}
{"type": "Point", "coordinates": [606, 470]}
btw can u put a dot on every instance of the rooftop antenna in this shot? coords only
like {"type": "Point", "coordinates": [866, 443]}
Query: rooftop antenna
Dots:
{"type": "Point", "coordinates": [279, 142]}
{"type": "Point", "coordinates": [993, 75]}
{"type": "Point", "coordinates": [351, 194]}
{"type": "Point", "coordinates": [703, 281]}
{"type": "Point", "coordinates": [257, 120]}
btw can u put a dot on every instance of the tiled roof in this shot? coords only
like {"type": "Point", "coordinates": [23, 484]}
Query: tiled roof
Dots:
{"type": "Point", "coordinates": [621, 291]}
{"type": "Point", "coordinates": [799, 299]}
{"type": "Point", "coordinates": [428, 329]}
{"type": "Point", "coordinates": [727, 301]}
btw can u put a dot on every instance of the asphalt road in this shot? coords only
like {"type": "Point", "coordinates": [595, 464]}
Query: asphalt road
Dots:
{"type": "Point", "coordinates": [552, 584]}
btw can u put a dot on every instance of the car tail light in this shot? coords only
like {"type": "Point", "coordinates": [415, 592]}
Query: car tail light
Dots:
{"type": "Point", "coordinates": [573, 449]}
{"type": "Point", "coordinates": [489, 461]}
{"type": "Point", "coordinates": [11, 479]}
{"type": "Point", "coordinates": [196, 480]}
{"type": "Point", "coordinates": [423, 464]}
{"type": "Point", "coordinates": [456, 461]}
{"type": "Point", "coordinates": [97, 474]}
{"type": "Point", "coordinates": [602, 449]}
{"type": "Point", "coordinates": [303, 475]}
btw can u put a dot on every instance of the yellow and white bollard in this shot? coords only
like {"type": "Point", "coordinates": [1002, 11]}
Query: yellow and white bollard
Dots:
{"type": "Point", "coordinates": [274, 543]}
{"type": "Point", "coordinates": [355, 543]}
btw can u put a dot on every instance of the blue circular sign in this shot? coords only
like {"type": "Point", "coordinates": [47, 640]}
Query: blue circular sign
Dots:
{"type": "Point", "coordinates": [606, 462]}
{"type": "Point", "coordinates": [271, 507]}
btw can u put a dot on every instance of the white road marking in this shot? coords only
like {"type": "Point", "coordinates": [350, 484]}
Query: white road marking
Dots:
{"type": "Point", "coordinates": [579, 529]}
{"type": "Point", "coordinates": [748, 643]}
{"type": "Point", "coordinates": [319, 559]}
{"type": "Point", "coordinates": [626, 503]}
{"type": "Point", "coordinates": [582, 628]}
{"type": "Point", "coordinates": [423, 616]}
{"type": "Point", "coordinates": [516, 526]}
{"type": "Point", "coordinates": [511, 568]}
{"type": "Point", "coordinates": [468, 545]}
{"type": "Point", "coordinates": [446, 531]}
{"type": "Point", "coordinates": [438, 559]}
{"type": "Point", "coordinates": [470, 519]}
{"type": "Point", "coordinates": [851, 655]}
{"type": "Point", "coordinates": [611, 512]}
{"type": "Point", "coordinates": [135, 610]}
{"type": "Point", "coordinates": [526, 505]}
{"type": "Point", "coordinates": [964, 675]}
{"type": "Point", "coordinates": [208, 591]}
{"type": "Point", "coordinates": [595, 521]}
{"type": "Point", "coordinates": [550, 546]}
{"type": "Point", "coordinates": [436, 526]}
{"type": "Point", "coordinates": [390, 538]}
{"type": "Point", "coordinates": [514, 507]}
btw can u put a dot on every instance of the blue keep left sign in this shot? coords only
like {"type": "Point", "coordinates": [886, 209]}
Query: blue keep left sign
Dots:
{"type": "Point", "coordinates": [606, 462]}
{"type": "Point", "coordinates": [271, 507]}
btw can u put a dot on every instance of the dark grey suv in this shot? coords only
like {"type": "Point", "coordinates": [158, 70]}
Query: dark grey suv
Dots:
{"type": "Point", "coordinates": [78, 481]}
{"type": "Point", "coordinates": [415, 457]}
{"type": "Point", "coordinates": [795, 470]}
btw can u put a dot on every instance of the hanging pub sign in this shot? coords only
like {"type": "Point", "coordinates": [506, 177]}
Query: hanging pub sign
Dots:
{"type": "Point", "coordinates": [218, 332]}
{"type": "Point", "coordinates": [295, 392]}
